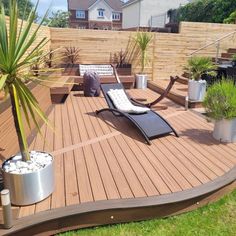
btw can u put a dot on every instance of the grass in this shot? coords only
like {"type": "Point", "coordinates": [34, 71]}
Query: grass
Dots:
{"type": "Point", "coordinates": [216, 219]}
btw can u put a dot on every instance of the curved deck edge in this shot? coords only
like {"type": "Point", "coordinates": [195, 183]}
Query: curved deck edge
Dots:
{"type": "Point", "coordinates": [122, 210]}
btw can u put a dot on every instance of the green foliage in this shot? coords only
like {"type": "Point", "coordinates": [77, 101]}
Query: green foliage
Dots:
{"type": "Point", "coordinates": [24, 8]}
{"type": "Point", "coordinates": [19, 50]}
{"type": "Point", "coordinates": [220, 100]}
{"type": "Point", "coordinates": [231, 19]}
{"type": "Point", "coordinates": [197, 66]}
{"type": "Point", "coordinates": [143, 40]}
{"type": "Point", "coordinates": [214, 11]}
{"type": "Point", "coordinates": [58, 19]}
{"type": "Point", "coordinates": [234, 57]}
{"type": "Point", "coordinates": [217, 219]}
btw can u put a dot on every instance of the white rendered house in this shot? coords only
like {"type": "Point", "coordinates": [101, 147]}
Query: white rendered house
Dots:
{"type": "Point", "coordinates": [148, 13]}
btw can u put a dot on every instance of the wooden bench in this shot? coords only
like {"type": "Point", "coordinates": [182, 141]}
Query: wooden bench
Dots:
{"type": "Point", "coordinates": [106, 74]}
{"type": "Point", "coordinates": [61, 89]}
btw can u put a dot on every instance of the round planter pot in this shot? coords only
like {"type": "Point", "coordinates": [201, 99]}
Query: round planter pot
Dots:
{"type": "Point", "coordinates": [29, 188]}
{"type": "Point", "coordinates": [141, 81]}
{"type": "Point", "coordinates": [196, 90]}
{"type": "Point", "coordinates": [225, 130]}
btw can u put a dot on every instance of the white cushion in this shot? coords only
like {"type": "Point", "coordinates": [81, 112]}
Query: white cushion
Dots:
{"type": "Point", "coordinates": [122, 103]}
{"type": "Point", "coordinates": [99, 69]}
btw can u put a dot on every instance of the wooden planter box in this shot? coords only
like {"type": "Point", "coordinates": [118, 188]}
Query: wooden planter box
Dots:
{"type": "Point", "coordinates": [70, 69]}
{"type": "Point", "coordinates": [124, 70]}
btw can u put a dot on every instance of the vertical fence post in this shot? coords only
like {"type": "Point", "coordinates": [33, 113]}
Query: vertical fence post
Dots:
{"type": "Point", "coordinates": [6, 209]}
{"type": "Point", "coordinates": [217, 51]}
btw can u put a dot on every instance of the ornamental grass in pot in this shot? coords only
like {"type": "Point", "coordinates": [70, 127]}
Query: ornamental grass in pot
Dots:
{"type": "Point", "coordinates": [142, 39]}
{"type": "Point", "coordinates": [197, 67]}
{"type": "Point", "coordinates": [28, 175]}
{"type": "Point", "coordinates": [220, 104]}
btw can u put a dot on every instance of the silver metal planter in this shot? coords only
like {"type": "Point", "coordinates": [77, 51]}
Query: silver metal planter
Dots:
{"type": "Point", "coordinates": [141, 81]}
{"type": "Point", "coordinates": [225, 130]}
{"type": "Point", "coordinates": [26, 189]}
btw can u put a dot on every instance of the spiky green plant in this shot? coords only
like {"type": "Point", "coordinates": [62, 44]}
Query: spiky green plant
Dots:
{"type": "Point", "coordinates": [143, 40]}
{"type": "Point", "coordinates": [18, 52]}
{"type": "Point", "coordinates": [197, 66]}
{"type": "Point", "coordinates": [220, 100]}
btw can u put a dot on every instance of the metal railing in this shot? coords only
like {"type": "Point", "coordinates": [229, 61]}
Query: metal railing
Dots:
{"type": "Point", "coordinates": [217, 43]}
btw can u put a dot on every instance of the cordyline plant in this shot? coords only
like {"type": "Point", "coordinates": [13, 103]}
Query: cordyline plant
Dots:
{"type": "Point", "coordinates": [142, 40]}
{"type": "Point", "coordinates": [19, 52]}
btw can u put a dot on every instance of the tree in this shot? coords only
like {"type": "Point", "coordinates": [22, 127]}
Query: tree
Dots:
{"type": "Point", "coordinates": [24, 7]}
{"type": "Point", "coordinates": [214, 11]}
{"type": "Point", "coordinates": [231, 19]}
{"type": "Point", "coordinates": [58, 19]}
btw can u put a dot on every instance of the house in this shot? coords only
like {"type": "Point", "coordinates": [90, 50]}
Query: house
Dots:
{"type": "Point", "coordinates": [95, 14]}
{"type": "Point", "coordinates": [148, 13]}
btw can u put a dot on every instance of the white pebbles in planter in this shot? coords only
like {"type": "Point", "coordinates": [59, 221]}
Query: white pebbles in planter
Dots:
{"type": "Point", "coordinates": [39, 160]}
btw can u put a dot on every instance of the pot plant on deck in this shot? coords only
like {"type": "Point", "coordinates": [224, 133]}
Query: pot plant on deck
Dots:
{"type": "Point", "coordinates": [142, 40]}
{"type": "Point", "coordinates": [220, 104]}
{"type": "Point", "coordinates": [28, 175]}
{"type": "Point", "coordinates": [234, 60]}
{"type": "Point", "coordinates": [197, 66]}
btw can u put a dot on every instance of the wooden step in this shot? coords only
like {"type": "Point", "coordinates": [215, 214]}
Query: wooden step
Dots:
{"type": "Point", "coordinates": [232, 50]}
{"type": "Point", "coordinates": [182, 80]}
{"type": "Point", "coordinates": [177, 94]}
{"type": "Point", "coordinates": [227, 55]}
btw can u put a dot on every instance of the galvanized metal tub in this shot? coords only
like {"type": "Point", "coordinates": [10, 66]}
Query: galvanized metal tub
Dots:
{"type": "Point", "coordinates": [141, 81]}
{"type": "Point", "coordinates": [27, 189]}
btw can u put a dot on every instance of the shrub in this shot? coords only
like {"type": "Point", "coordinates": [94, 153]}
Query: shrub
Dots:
{"type": "Point", "coordinates": [197, 66]}
{"type": "Point", "coordinates": [220, 100]}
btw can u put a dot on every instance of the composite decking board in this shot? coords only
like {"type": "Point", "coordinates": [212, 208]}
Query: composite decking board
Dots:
{"type": "Point", "coordinates": [223, 146]}
{"type": "Point", "coordinates": [199, 161]}
{"type": "Point", "coordinates": [84, 185]}
{"type": "Point", "coordinates": [105, 172]}
{"type": "Point", "coordinates": [199, 170]}
{"type": "Point", "coordinates": [117, 174]}
{"type": "Point", "coordinates": [71, 183]}
{"type": "Point", "coordinates": [93, 169]}
{"type": "Point", "coordinates": [135, 162]}
{"type": "Point", "coordinates": [58, 196]}
{"type": "Point", "coordinates": [204, 155]}
{"type": "Point", "coordinates": [128, 170]}
{"type": "Point", "coordinates": [141, 158]}
{"type": "Point", "coordinates": [206, 139]}
{"type": "Point", "coordinates": [46, 203]}
{"type": "Point", "coordinates": [125, 125]}
{"type": "Point", "coordinates": [135, 169]}
{"type": "Point", "coordinates": [132, 131]}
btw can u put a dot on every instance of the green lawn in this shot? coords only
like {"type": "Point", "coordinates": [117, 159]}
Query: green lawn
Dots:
{"type": "Point", "coordinates": [217, 219]}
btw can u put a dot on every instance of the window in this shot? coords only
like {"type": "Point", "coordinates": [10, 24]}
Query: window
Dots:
{"type": "Point", "coordinates": [101, 13]}
{"type": "Point", "coordinates": [115, 16]}
{"type": "Point", "coordinates": [80, 14]}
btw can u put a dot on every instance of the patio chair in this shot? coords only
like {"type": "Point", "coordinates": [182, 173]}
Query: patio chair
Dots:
{"type": "Point", "coordinates": [150, 124]}
{"type": "Point", "coordinates": [161, 97]}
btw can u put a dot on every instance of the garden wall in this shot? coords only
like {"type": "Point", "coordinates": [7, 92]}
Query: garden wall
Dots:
{"type": "Point", "coordinates": [168, 53]}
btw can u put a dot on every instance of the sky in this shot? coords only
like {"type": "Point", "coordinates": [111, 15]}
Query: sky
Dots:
{"type": "Point", "coordinates": [55, 5]}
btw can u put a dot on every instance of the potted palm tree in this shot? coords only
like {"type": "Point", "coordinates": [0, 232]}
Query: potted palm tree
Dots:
{"type": "Point", "coordinates": [29, 175]}
{"type": "Point", "coordinates": [197, 66]}
{"type": "Point", "coordinates": [234, 60]}
{"type": "Point", "coordinates": [142, 40]}
{"type": "Point", "coordinates": [220, 104]}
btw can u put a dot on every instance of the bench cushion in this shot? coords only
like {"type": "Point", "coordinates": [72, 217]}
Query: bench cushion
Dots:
{"type": "Point", "coordinates": [106, 70]}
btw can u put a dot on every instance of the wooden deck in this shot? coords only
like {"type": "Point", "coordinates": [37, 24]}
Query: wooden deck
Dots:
{"type": "Point", "coordinates": [106, 173]}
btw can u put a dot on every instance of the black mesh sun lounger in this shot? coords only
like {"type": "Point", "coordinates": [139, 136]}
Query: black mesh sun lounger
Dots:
{"type": "Point", "coordinates": [150, 124]}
